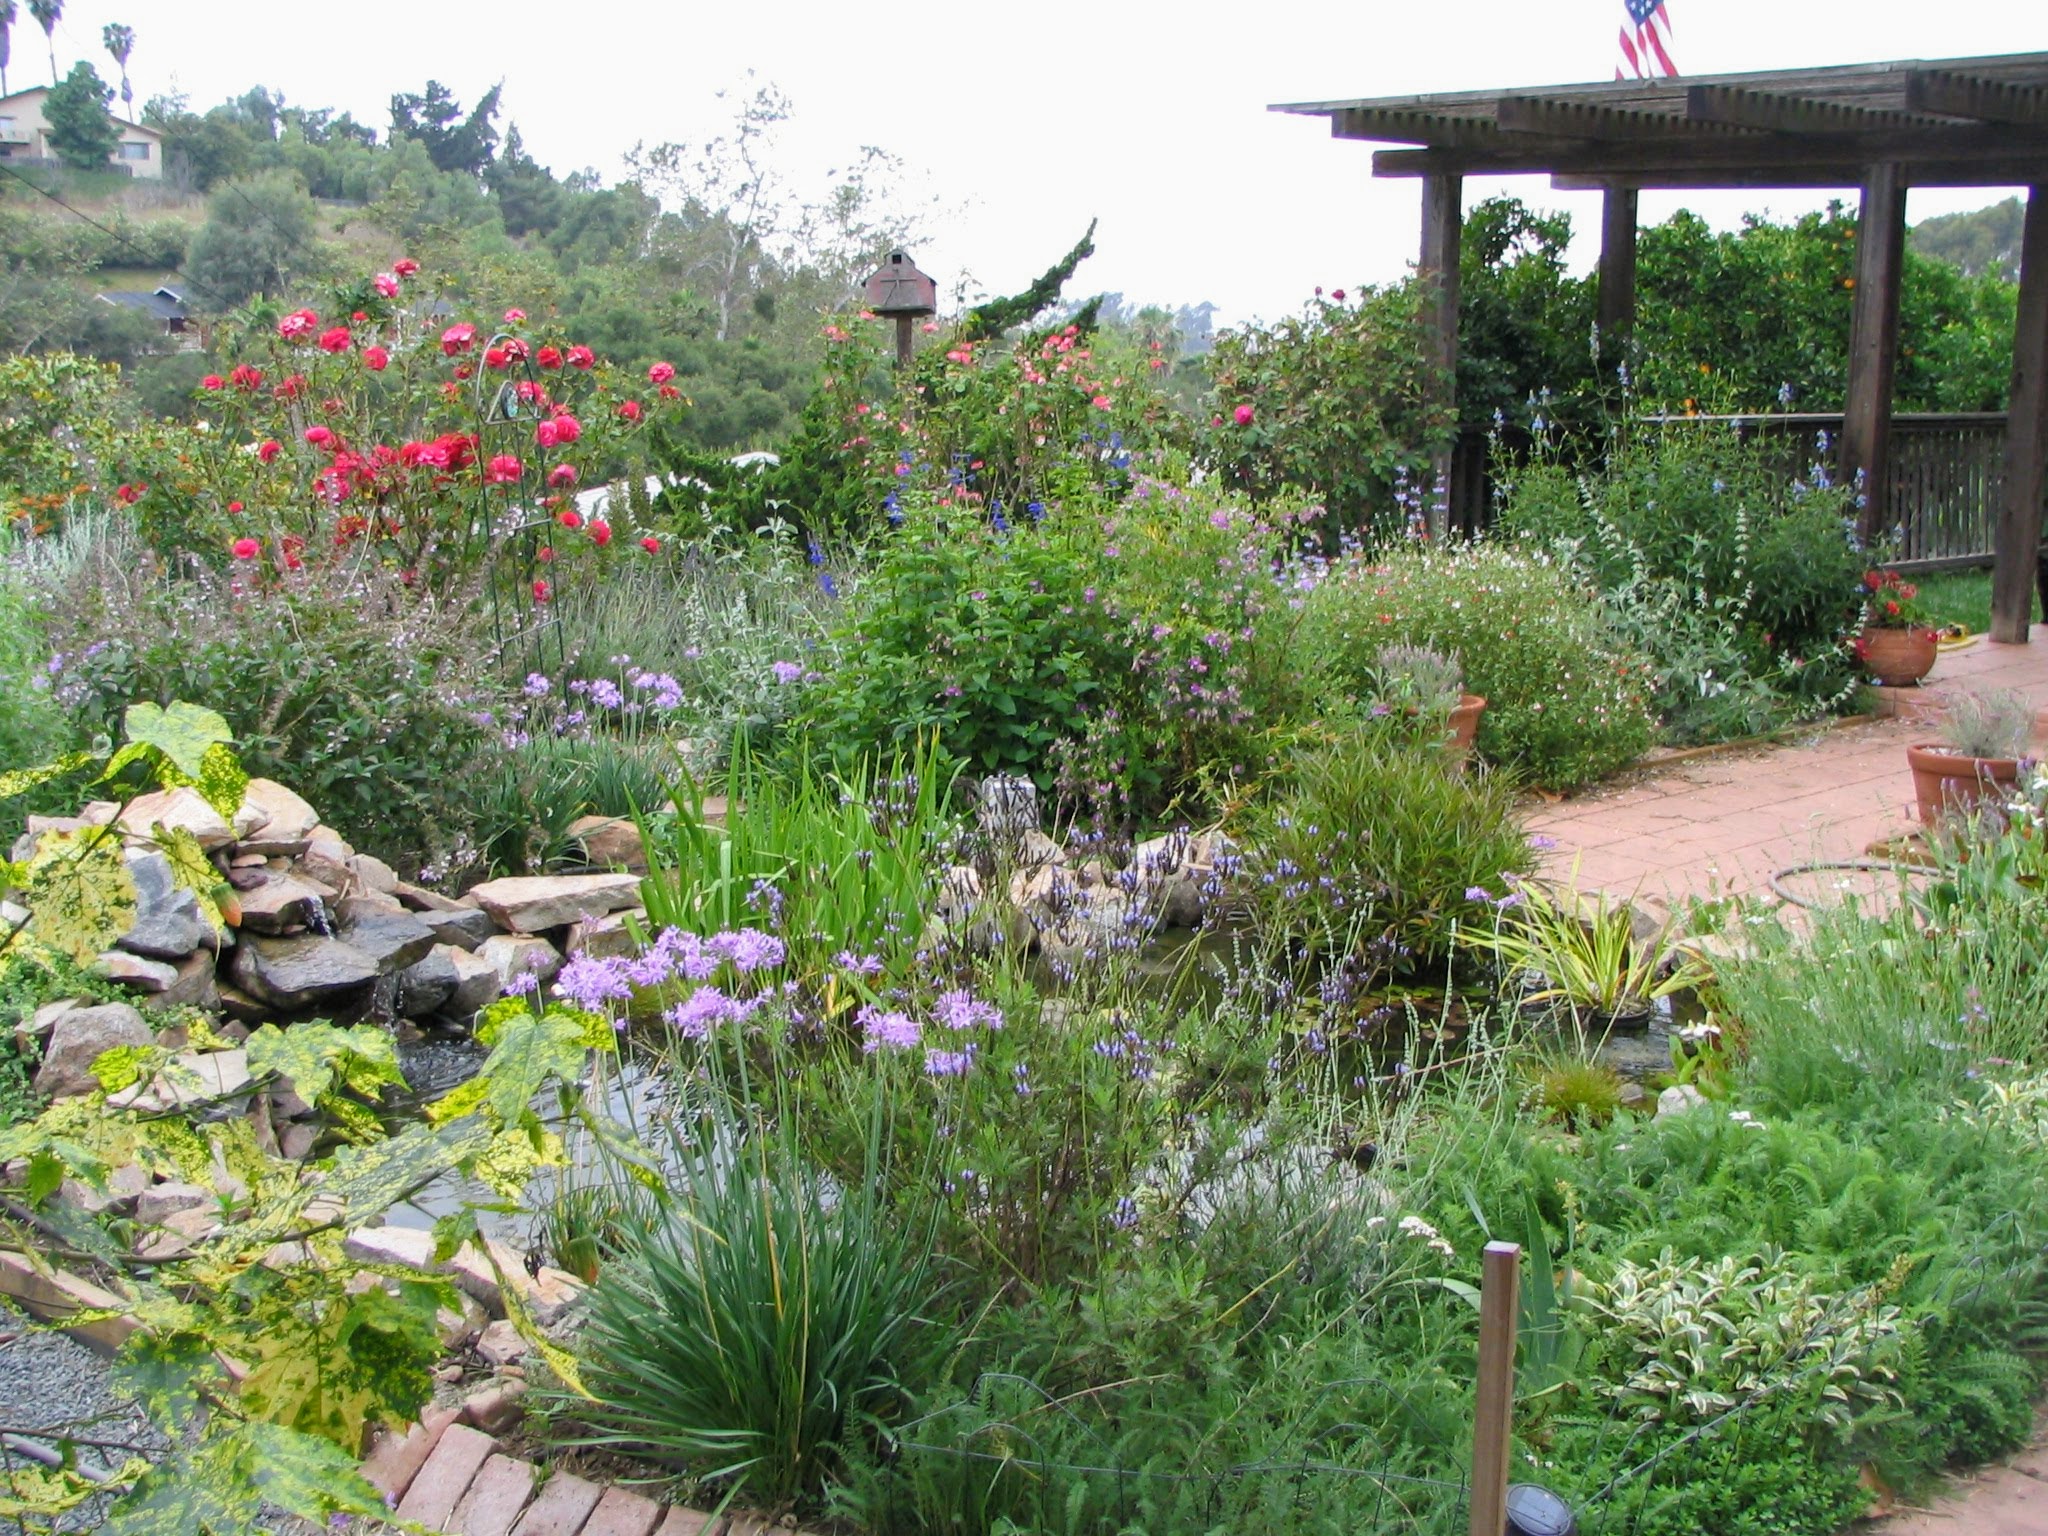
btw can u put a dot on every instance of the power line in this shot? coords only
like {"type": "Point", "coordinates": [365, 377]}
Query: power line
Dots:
{"type": "Point", "coordinates": [112, 234]}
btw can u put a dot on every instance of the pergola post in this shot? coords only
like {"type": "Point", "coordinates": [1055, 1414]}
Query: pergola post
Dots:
{"type": "Point", "coordinates": [1874, 340]}
{"type": "Point", "coordinates": [2017, 541]}
{"type": "Point", "coordinates": [1617, 271]}
{"type": "Point", "coordinates": [1443, 224]}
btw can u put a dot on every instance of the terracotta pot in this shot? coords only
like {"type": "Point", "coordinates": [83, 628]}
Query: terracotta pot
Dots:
{"type": "Point", "coordinates": [1897, 658]}
{"type": "Point", "coordinates": [1465, 722]}
{"type": "Point", "coordinates": [1949, 781]}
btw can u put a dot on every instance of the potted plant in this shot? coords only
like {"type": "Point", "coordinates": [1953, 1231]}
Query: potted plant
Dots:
{"type": "Point", "coordinates": [1896, 644]}
{"type": "Point", "coordinates": [1586, 955]}
{"type": "Point", "coordinates": [1983, 738]}
{"type": "Point", "coordinates": [1428, 686]}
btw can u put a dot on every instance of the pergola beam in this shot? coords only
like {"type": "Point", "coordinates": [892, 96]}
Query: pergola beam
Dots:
{"type": "Point", "coordinates": [1924, 153]}
{"type": "Point", "coordinates": [2017, 542]}
{"type": "Point", "coordinates": [1775, 112]}
{"type": "Point", "coordinates": [1954, 94]}
{"type": "Point", "coordinates": [1565, 119]}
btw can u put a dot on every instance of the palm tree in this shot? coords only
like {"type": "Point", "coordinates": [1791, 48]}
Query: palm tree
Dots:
{"type": "Point", "coordinates": [47, 13]}
{"type": "Point", "coordinates": [7, 14]}
{"type": "Point", "coordinates": [120, 43]}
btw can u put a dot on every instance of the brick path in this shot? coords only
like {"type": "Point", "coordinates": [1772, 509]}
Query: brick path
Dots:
{"type": "Point", "coordinates": [1725, 822]}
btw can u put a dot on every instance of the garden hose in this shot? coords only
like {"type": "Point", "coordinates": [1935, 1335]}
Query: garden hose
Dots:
{"type": "Point", "coordinates": [1816, 866]}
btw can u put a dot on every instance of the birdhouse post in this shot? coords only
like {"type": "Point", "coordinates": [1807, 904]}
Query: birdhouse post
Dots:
{"type": "Point", "coordinates": [899, 289]}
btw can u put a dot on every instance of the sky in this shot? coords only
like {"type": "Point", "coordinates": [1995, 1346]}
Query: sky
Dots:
{"type": "Point", "coordinates": [1027, 120]}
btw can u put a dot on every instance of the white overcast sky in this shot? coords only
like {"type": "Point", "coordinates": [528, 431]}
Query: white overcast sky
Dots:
{"type": "Point", "coordinates": [1032, 118]}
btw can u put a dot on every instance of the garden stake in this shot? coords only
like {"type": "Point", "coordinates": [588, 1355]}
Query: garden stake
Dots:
{"type": "Point", "coordinates": [1493, 1405]}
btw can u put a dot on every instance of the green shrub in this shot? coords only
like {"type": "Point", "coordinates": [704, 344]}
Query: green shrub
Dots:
{"type": "Point", "coordinates": [1565, 701]}
{"type": "Point", "coordinates": [528, 796]}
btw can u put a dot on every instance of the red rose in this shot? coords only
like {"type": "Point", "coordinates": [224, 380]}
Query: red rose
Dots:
{"type": "Point", "coordinates": [661, 373]}
{"type": "Point", "coordinates": [245, 549]}
{"type": "Point", "coordinates": [541, 591]}
{"type": "Point", "coordinates": [548, 357]}
{"type": "Point", "coordinates": [458, 338]}
{"type": "Point", "coordinates": [651, 544]}
{"type": "Point", "coordinates": [567, 428]}
{"type": "Point", "coordinates": [562, 476]}
{"type": "Point", "coordinates": [128, 495]}
{"type": "Point", "coordinates": [503, 468]}
{"type": "Point", "coordinates": [298, 325]}
{"type": "Point", "coordinates": [600, 532]}
{"type": "Point", "coordinates": [213, 381]}
{"type": "Point", "coordinates": [546, 434]}
{"type": "Point", "coordinates": [335, 339]}
{"type": "Point", "coordinates": [630, 410]}
{"type": "Point", "coordinates": [495, 358]}
{"type": "Point", "coordinates": [234, 506]}
{"type": "Point", "coordinates": [669, 392]}
{"type": "Point", "coordinates": [269, 450]}
{"type": "Point", "coordinates": [376, 359]}
{"type": "Point", "coordinates": [570, 519]}
{"type": "Point", "coordinates": [319, 437]}
{"type": "Point", "coordinates": [245, 377]}
{"type": "Point", "coordinates": [405, 266]}
{"type": "Point", "coordinates": [582, 357]}
{"type": "Point", "coordinates": [545, 552]}
{"type": "Point", "coordinates": [1242, 415]}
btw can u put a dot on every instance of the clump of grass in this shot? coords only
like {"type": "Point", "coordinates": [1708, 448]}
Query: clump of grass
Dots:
{"type": "Point", "coordinates": [1575, 1092]}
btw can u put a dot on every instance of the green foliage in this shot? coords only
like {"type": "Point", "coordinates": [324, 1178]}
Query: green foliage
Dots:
{"type": "Point", "coordinates": [987, 321]}
{"type": "Point", "coordinates": [257, 239]}
{"type": "Point", "coordinates": [81, 131]}
{"type": "Point", "coordinates": [1565, 699]}
{"type": "Point", "coordinates": [761, 1316]}
{"type": "Point", "coordinates": [1979, 242]}
{"type": "Point", "coordinates": [1372, 841]}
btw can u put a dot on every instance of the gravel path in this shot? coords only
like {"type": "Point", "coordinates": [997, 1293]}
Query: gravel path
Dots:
{"type": "Point", "coordinates": [49, 1381]}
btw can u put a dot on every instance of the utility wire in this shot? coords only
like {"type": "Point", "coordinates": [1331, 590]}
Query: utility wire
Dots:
{"type": "Point", "coordinates": [112, 234]}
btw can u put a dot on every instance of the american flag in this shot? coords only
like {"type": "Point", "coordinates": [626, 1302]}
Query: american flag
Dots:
{"type": "Point", "coordinates": [1645, 41]}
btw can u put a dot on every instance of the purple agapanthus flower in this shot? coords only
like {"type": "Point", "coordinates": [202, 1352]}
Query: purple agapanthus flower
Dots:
{"type": "Point", "coordinates": [749, 949]}
{"type": "Point", "coordinates": [787, 671]}
{"type": "Point", "coordinates": [948, 1063]}
{"type": "Point", "coordinates": [696, 1015]}
{"type": "Point", "coordinates": [895, 1031]}
{"type": "Point", "coordinates": [960, 1009]}
{"type": "Point", "coordinates": [589, 982]}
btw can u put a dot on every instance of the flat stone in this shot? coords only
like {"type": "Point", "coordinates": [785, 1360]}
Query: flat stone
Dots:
{"type": "Point", "coordinates": [477, 982]}
{"type": "Point", "coordinates": [1679, 1099]}
{"type": "Point", "coordinates": [239, 1006]}
{"type": "Point", "coordinates": [552, 1293]}
{"type": "Point", "coordinates": [620, 1513]}
{"type": "Point", "coordinates": [394, 1247]}
{"type": "Point", "coordinates": [161, 1200]}
{"type": "Point", "coordinates": [194, 1223]}
{"type": "Point", "coordinates": [425, 986]}
{"type": "Point", "coordinates": [466, 926]}
{"type": "Point", "coordinates": [446, 1476]}
{"type": "Point", "coordinates": [284, 902]}
{"type": "Point", "coordinates": [417, 898]}
{"type": "Point", "coordinates": [496, 1496]}
{"type": "Point", "coordinates": [533, 903]}
{"type": "Point", "coordinates": [278, 814]}
{"type": "Point", "coordinates": [683, 1522]}
{"type": "Point", "coordinates": [395, 1460]}
{"type": "Point", "coordinates": [194, 1078]}
{"type": "Point", "coordinates": [606, 938]}
{"type": "Point", "coordinates": [563, 1504]}
{"type": "Point", "coordinates": [373, 874]}
{"type": "Point", "coordinates": [194, 988]}
{"type": "Point", "coordinates": [78, 1039]}
{"type": "Point", "coordinates": [167, 923]}
{"type": "Point", "coordinates": [497, 1408]}
{"type": "Point", "coordinates": [183, 809]}
{"type": "Point", "coordinates": [610, 842]}
{"type": "Point", "coordinates": [513, 955]}
{"type": "Point", "coordinates": [412, 1248]}
{"type": "Point", "coordinates": [152, 976]}
{"type": "Point", "coordinates": [394, 940]}
{"type": "Point", "coordinates": [500, 1343]}
{"type": "Point", "coordinates": [303, 971]}
{"type": "Point", "coordinates": [37, 1026]}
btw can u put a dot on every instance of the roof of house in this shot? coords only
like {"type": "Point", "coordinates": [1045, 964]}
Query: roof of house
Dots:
{"type": "Point", "coordinates": [44, 90]}
{"type": "Point", "coordinates": [164, 303]}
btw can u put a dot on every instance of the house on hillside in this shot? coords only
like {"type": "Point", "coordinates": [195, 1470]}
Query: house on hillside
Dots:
{"type": "Point", "coordinates": [25, 137]}
{"type": "Point", "coordinates": [165, 305]}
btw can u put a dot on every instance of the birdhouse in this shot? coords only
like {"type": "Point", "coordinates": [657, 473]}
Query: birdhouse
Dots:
{"type": "Point", "coordinates": [898, 288]}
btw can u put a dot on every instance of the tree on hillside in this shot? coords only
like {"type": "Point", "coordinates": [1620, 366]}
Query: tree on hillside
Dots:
{"type": "Point", "coordinates": [47, 14]}
{"type": "Point", "coordinates": [257, 233]}
{"type": "Point", "coordinates": [528, 195]}
{"type": "Point", "coordinates": [120, 42]}
{"type": "Point", "coordinates": [1980, 241]}
{"type": "Point", "coordinates": [7, 15]}
{"type": "Point", "coordinates": [81, 132]}
{"type": "Point", "coordinates": [454, 142]}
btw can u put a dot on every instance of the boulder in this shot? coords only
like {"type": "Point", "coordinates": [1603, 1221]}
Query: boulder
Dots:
{"type": "Point", "coordinates": [239, 1006]}
{"type": "Point", "coordinates": [167, 923]}
{"type": "Point", "coordinates": [37, 1026]}
{"type": "Point", "coordinates": [606, 937]}
{"type": "Point", "coordinates": [610, 842]}
{"type": "Point", "coordinates": [1679, 1099]}
{"type": "Point", "coordinates": [303, 971]}
{"type": "Point", "coordinates": [512, 954]}
{"type": "Point", "coordinates": [500, 1343]}
{"type": "Point", "coordinates": [193, 1078]}
{"type": "Point", "coordinates": [181, 809]}
{"type": "Point", "coordinates": [373, 874]}
{"type": "Point", "coordinates": [394, 940]}
{"type": "Point", "coordinates": [534, 903]}
{"type": "Point", "coordinates": [279, 815]}
{"type": "Point", "coordinates": [465, 927]}
{"type": "Point", "coordinates": [417, 898]}
{"type": "Point", "coordinates": [78, 1039]}
{"type": "Point", "coordinates": [477, 982]}
{"type": "Point", "coordinates": [284, 902]}
{"type": "Point", "coordinates": [194, 988]}
{"type": "Point", "coordinates": [425, 986]}
{"type": "Point", "coordinates": [133, 971]}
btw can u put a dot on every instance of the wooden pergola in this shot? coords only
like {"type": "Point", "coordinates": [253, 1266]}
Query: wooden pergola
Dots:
{"type": "Point", "coordinates": [1880, 127]}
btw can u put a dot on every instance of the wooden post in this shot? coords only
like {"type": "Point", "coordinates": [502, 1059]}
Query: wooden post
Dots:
{"type": "Point", "coordinates": [903, 341]}
{"type": "Point", "coordinates": [1443, 226]}
{"type": "Point", "coordinates": [1617, 272]}
{"type": "Point", "coordinates": [2016, 542]}
{"type": "Point", "coordinates": [1493, 1406]}
{"type": "Point", "coordinates": [1874, 340]}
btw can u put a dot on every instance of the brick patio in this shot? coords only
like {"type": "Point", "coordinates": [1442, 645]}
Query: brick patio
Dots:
{"type": "Point", "coordinates": [1723, 823]}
